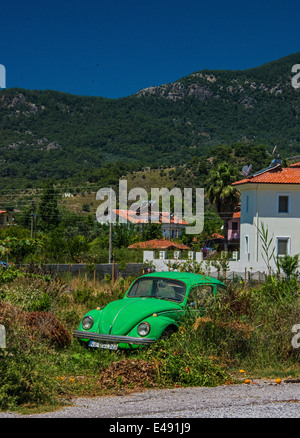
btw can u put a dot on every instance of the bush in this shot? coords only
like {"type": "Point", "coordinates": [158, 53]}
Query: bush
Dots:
{"type": "Point", "coordinates": [27, 296]}
{"type": "Point", "coordinates": [82, 295]}
{"type": "Point", "coordinates": [275, 308]}
{"type": "Point", "coordinates": [289, 265]}
{"type": "Point", "coordinates": [25, 371]}
{"type": "Point", "coordinates": [181, 361]}
{"type": "Point", "coordinates": [24, 380]}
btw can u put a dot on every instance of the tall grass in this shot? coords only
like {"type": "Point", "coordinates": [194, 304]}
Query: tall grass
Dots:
{"type": "Point", "coordinates": [245, 327]}
{"type": "Point", "coordinates": [262, 319]}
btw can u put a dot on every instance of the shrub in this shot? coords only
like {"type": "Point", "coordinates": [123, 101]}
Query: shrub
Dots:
{"type": "Point", "coordinates": [25, 371]}
{"type": "Point", "coordinates": [24, 380]}
{"type": "Point", "coordinates": [181, 361]}
{"type": "Point", "coordinates": [289, 265]}
{"type": "Point", "coordinates": [82, 295]}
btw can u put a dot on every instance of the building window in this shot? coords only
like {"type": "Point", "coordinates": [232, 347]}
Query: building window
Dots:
{"type": "Point", "coordinates": [234, 226]}
{"type": "Point", "coordinates": [247, 244]}
{"type": "Point", "coordinates": [283, 246]}
{"type": "Point", "coordinates": [283, 203]}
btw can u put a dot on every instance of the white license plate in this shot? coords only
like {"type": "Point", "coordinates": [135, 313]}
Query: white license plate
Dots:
{"type": "Point", "coordinates": [106, 346]}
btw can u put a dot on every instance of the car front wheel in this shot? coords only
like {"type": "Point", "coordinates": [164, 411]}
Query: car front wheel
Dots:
{"type": "Point", "coordinates": [168, 331]}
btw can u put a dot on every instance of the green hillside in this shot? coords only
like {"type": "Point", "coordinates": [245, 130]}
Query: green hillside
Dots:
{"type": "Point", "coordinates": [92, 140]}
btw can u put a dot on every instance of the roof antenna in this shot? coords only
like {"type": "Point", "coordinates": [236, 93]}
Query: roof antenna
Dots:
{"type": "Point", "coordinates": [273, 152]}
{"type": "Point", "coordinates": [246, 170]}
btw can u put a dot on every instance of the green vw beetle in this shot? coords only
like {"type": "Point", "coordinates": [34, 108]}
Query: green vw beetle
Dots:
{"type": "Point", "coordinates": [151, 308]}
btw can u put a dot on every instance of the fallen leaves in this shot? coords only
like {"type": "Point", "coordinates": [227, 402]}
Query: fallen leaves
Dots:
{"type": "Point", "coordinates": [129, 373]}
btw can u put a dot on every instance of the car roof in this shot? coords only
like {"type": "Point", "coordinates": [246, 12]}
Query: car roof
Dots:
{"type": "Point", "coordinates": [187, 277]}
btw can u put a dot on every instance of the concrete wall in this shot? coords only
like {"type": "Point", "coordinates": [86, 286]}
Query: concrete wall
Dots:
{"type": "Point", "coordinates": [99, 271]}
{"type": "Point", "coordinates": [238, 268]}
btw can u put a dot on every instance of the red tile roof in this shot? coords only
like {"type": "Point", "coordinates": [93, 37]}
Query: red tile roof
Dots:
{"type": "Point", "coordinates": [129, 215]}
{"type": "Point", "coordinates": [295, 165]}
{"type": "Point", "coordinates": [281, 175]}
{"type": "Point", "coordinates": [217, 236]}
{"type": "Point", "coordinates": [164, 217]}
{"type": "Point", "coordinates": [158, 244]}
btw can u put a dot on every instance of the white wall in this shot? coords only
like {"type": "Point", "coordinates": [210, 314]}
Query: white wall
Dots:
{"type": "Point", "coordinates": [262, 206]}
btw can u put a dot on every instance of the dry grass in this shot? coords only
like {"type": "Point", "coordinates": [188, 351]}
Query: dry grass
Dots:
{"type": "Point", "coordinates": [244, 329]}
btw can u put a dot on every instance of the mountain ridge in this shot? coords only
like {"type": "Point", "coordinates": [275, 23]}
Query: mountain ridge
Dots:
{"type": "Point", "coordinates": [208, 77]}
{"type": "Point", "coordinates": [51, 134]}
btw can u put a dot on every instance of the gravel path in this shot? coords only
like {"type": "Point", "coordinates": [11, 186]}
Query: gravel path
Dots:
{"type": "Point", "coordinates": [260, 399]}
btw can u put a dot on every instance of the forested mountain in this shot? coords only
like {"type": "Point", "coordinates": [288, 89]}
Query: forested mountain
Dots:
{"type": "Point", "coordinates": [49, 134]}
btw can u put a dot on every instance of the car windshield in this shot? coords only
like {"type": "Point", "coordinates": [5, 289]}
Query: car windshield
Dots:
{"type": "Point", "coordinates": [162, 288]}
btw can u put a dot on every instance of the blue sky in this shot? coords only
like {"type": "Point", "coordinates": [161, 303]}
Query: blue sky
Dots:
{"type": "Point", "coordinates": [113, 48]}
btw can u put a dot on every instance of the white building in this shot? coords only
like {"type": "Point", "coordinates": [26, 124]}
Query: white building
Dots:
{"type": "Point", "coordinates": [272, 198]}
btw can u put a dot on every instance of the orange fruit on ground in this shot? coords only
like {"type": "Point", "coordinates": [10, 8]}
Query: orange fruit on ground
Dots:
{"type": "Point", "coordinates": [247, 381]}
{"type": "Point", "coordinates": [278, 381]}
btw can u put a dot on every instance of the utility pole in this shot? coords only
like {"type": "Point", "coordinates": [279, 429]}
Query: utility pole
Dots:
{"type": "Point", "coordinates": [35, 221]}
{"type": "Point", "coordinates": [110, 249]}
{"type": "Point", "coordinates": [32, 217]}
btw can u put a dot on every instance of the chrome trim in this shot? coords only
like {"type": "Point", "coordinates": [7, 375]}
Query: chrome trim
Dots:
{"type": "Point", "coordinates": [112, 338]}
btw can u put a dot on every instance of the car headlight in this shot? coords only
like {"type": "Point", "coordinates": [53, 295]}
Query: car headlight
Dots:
{"type": "Point", "coordinates": [143, 329]}
{"type": "Point", "coordinates": [87, 322]}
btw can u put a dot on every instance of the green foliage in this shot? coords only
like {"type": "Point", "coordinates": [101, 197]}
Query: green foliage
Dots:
{"type": "Point", "coordinates": [221, 263]}
{"type": "Point", "coordinates": [289, 264]}
{"type": "Point", "coordinates": [19, 249]}
{"type": "Point", "coordinates": [82, 294]}
{"type": "Point", "coordinates": [185, 365]}
{"type": "Point", "coordinates": [9, 274]}
{"type": "Point", "coordinates": [222, 194]}
{"type": "Point", "coordinates": [274, 311]}
{"type": "Point", "coordinates": [28, 297]}
{"type": "Point", "coordinates": [267, 246]}
{"type": "Point", "coordinates": [243, 328]}
{"type": "Point", "coordinates": [80, 138]}
{"type": "Point", "coordinates": [24, 379]}
{"type": "Point", "coordinates": [220, 191]}
{"type": "Point", "coordinates": [277, 292]}
{"type": "Point", "coordinates": [48, 217]}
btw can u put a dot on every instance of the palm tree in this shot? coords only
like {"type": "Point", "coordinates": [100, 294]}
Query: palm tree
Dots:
{"type": "Point", "coordinates": [222, 194]}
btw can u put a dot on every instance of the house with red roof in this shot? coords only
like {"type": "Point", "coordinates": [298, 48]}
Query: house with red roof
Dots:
{"type": "Point", "coordinates": [149, 248]}
{"type": "Point", "coordinates": [162, 244]}
{"type": "Point", "coordinates": [270, 197]}
{"type": "Point", "coordinates": [172, 225]}
{"type": "Point", "coordinates": [5, 218]}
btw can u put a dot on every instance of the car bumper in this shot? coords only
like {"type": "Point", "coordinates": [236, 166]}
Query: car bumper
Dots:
{"type": "Point", "coordinates": [112, 338]}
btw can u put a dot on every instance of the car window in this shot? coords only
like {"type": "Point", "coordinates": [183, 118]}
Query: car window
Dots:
{"type": "Point", "coordinates": [161, 288]}
{"type": "Point", "coordinates": [169, 289]}
{"type": "Point", "coordinates": [201, 294]}
{"type": "Point", "coordinates": [221, 288]}
{"type": "Point", "coordinates": [141, 288]}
